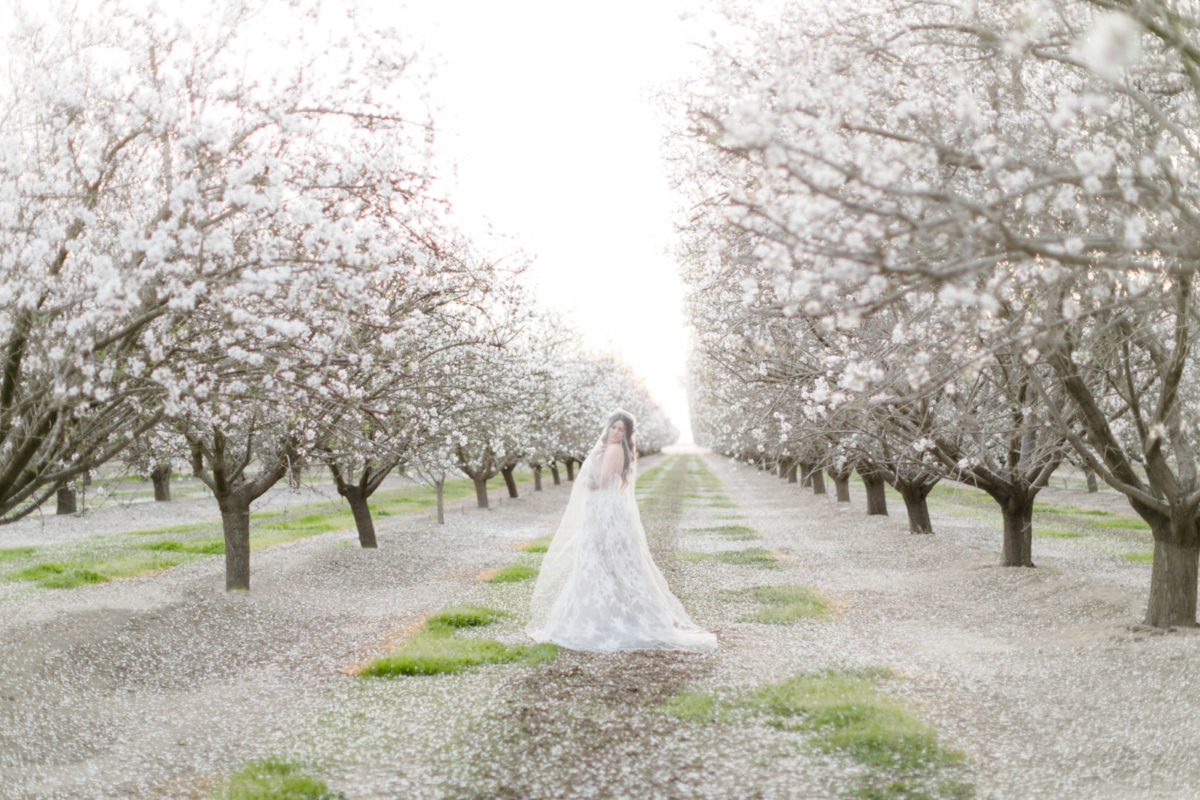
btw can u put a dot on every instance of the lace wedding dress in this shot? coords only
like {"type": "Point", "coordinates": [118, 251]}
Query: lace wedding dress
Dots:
{"type": "Point", "coordinates": [599, 589]}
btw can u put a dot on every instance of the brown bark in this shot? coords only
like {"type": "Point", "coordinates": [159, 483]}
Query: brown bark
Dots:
{"type": "Point", "coordinates": [1173, 574]}
{"type": "Point", "coordinates": [537, 477]}
{"type": "Point", "coordinates": [507, 472]}
{"type": "Point", "coordinates": [361, 510]}
{"type": "Point", "coordinates": [817, 478]}
{"type": "Point", "coordinates": [1018, 532]}
{"type": "Point", "coordinates": [161, 477]}
{"type": "Point", "coordinates": [1093, 487]}
{"type": "Point", "coordinates": [791, 473]}
{"type": "Point", "coordinates": [440, 487]}
{"type": "Point", "coordinates": [570, 469]}
{"type": "Point", "coordinates": [235, 521]}
{"type": "Point", "coordinates": [554, 474]}
{"type": "Point", "coordinates": [876, 498]}
{"type": "Point", "coordinates": [481, 492]}
{"type": "Point", "coordinates": [842, 485]}
{"type": "Point", "coordinates": [806, 470]}
{"type": "Point", "coordinates": [916, 505]}
{"type": "Point", "coordinates": [66, 501]}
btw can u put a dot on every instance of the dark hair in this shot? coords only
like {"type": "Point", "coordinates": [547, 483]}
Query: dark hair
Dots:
{"type": "Point", "coordinates": [627, 442]}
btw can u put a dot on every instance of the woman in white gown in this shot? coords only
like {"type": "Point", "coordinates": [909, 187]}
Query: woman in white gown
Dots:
{"type": "Point", "coordinates": [599, 589]}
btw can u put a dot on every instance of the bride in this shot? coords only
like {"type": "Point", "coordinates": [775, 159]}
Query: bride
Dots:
{"type": "Point", "coordinates": [599, 588]}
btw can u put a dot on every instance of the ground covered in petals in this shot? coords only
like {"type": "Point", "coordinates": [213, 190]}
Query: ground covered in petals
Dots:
{"type": "Point", "coordinates": [855, 660]}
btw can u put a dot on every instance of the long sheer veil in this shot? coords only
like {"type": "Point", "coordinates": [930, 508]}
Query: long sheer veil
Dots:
{"type": "Point", "coordinates": [560, 557]}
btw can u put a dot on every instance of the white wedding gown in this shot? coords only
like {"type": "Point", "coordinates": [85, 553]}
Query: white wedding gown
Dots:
{"type": "Point", "coordinates": [599, 589]}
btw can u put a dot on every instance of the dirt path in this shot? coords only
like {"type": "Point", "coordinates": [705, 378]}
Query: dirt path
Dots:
{"type": "Point", "coordinates": [157, 686]}
{"type": "Point", "coordinates": [1034, 673]}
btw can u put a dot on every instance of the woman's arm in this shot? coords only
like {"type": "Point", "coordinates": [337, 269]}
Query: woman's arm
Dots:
{"type": "Point", "coordinates": [611, 463]}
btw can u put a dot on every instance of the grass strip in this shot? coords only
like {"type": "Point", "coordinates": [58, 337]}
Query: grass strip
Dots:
{"type": "Point", "coordinates": [438, 649]}
{"type": "Point", "coordinates": [430, 653]}
{"type": "Point", "coordinates": [207, 547]}
{"type": "Point", "coordinates": [1046, 508]}
{"type": "Point", "coordinates": [538, 545]}
{"type": "Point", "coordinates": [1140, 558]}
{"type": "Point", "coordinates": [274, 779]}
{"type": "Point", "coordinates": [693, 706]}
{"type": "Point", "coordinates": [464, 617]}
{"type": "Point", "coordinates": [15, 553]}
{"type": "Point", "coordinates": [750, 557]}
{"type": "Point", "coordinates": [842, 711]}
{"type": "Point", "coordinates": [1058, 534]}
{"type": "Point", "coordinates": [735, 532]}
{"type": "Point", "coordinates": [513, 573]}
{"type": "Point", "coordinates": [785, 604]}
{"type": "Point", "coordinates": [69, 574]}
{"type": "Point", "coordinates": [1125, 523]}
{"type": "Point", "coordinates": [173, 529]}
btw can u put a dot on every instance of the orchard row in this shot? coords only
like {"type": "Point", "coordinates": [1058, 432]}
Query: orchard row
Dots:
{"type": "Point", "coordinates": [942, 241]}
{"type": "Point", "coordinates": [241, 263]}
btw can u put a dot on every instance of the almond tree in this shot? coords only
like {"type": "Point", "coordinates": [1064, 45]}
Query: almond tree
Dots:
{"type": "Point", "coordinates": [1044, 183]}
{"type": "Point", "coordinates": [258, 213]}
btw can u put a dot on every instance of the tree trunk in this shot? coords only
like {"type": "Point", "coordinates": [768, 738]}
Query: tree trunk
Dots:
{"type": "Point", "coordinates": [876, 499]}
{"type": "Point", "coordinates": [66, 501]}
{"type": "Point", "coordinates": [161, 476]}
{"type": "Point", "coordinates": [570, 469]}
{"type": "Point", "coordinates": [1093, 487]}
{"type": "Point", "coordinates": [841, 483]}
{"type": "Point", "coordinates": [481, 497]}
{"type": "Point", "coordinates": [791, 474]}
{"type": "Point", "coordinates": [554, 474]}
{"type": "Point", "coordinates": [1018, 533]}
{"type": "Point", "coordinates": [817, 478]}
{"type": "Point", "coordinates": [235, 520]}
{"type": "Point", "coordinates": [507, 472]}
{"type": "Point", "coordinates": [361, 510]}
{"type": "Point", "coordinates": [440, 487]}
{"type": "Point", "coordinates": [806, 471]}
{"type": "Point", "coordinates": [537, 477]}
{"type": "Point", "coordinates": [917, 507]}
{"type": "Point", "coordinates": [1173, 585]}
{"type": "Point", "coordinates": [297, 473]}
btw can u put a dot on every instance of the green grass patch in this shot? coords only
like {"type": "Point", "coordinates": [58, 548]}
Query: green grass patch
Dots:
{"type": "Point", "coordinates": [174, 529]}
{"type": "Point", "coordinates": [464, 617]}
{"type": "Point", "coordinates": [692, 706]}
{"type": "Point", "coordinates": [275, 780]}
{"type": "Point", "coordinates": [312, 524]}
{"type": "Point", "coordinates": [1046, 508]}
{"type": "Point", "coordinates": [57, 575]}
{"type": "Point", "coordinates": [69, 573]}
{"type": "Point", "coordinates": [211, 546]}
{"type": "Point", "coordinates": [785, 604]}
{"type": "Point", "coordinates": [1126, 523]}
{"type": "Point", "coordinates": [750, 557]}
{"type": "Point", "coordinates": [538, 545]}
{"type": "Point", "coordinates": [735, 532]}
{"type": "Point", "coordinates": [434, 653]}
{"type": "Point", "coordinates": [843, 711]}
{"type": "Point", "coordinates": [513, 573]}
{"type": "Point", "coordinates": [846, 713]}
{"type": "Point", "coordinates": [15, 553]}
{"type": "Point", "coordinates": [1141, 558]}
{"type": "Point", "coordinates": [1058, 534]}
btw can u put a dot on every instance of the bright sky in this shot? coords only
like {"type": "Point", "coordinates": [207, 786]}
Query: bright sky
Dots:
{"type": "Point", "coordinates": [547, 110]}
